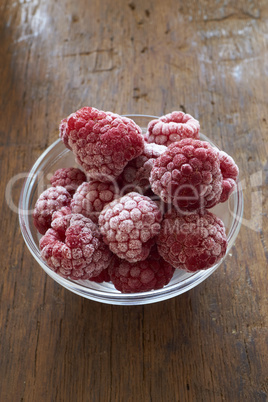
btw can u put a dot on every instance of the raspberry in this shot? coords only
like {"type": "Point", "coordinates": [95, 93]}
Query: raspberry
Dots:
{"type": "Point", "coordinates": [142, 276]}
{"type": "Point", "coordinates": [192, 242]}
{"type": "Point", "coordinates": [230, 173]}
{"type": "Point", "coordinates": [70, 178]}
{"type": "Point", "coordinates": [136, 174]}
{"type": "Point", "coordinates": [171, 128]}
{"type": "Point", "coordinates": [90, 198]}
{"type": "Point", "coordinates": [77, 252]}
{"type": "Point", "coordinates": [103, 142]}
{"type": "Point", "coordinates": [129, 226]}
{"type": "Point", "coordinates": [188, 175]}
{"type": "Point", "coordinates": [51, 200]}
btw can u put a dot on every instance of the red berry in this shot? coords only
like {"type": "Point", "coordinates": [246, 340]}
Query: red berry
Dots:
{"type": "Point", "coordinates": [192, 242]}
{"type": "Point", "coordinates": [129, 226]}
{"type": "Point", "coordinates": [51, 200]}
{"type": "Point", "coordinates": [90, 198]}
{"type": "Point", "coordinates": [171, 128]}
{"type": "Point", "coordinates": [103, 142]}
{"type": "Point", "coordinates": [70, 178]}
{"type": "Point", "coordinates": [73, 247]}
{"type": "Point", "coordinates": [188, 175]}
{"type": "Point", "coordinates": [142, 276]}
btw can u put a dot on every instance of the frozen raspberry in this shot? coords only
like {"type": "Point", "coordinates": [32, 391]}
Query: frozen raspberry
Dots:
{"type": "Point", "coordinates": [192, 242]}
{"type": "Point", "coordinates": [70, 178]}
{"type": "Point", "coordinates": [77, 253]}
{"type": "Point", "coordinates": [90, 198]}
{"type": "Point", "coordinates": [188, 175]}
{"type": "Point", "coordinates": [142, 276]}
{"type": "Point", "coordinates": [129, 226]}
{"type": "Point", "coordinates": [136, 174]}
{"type": "Point", "coordinates": [230, 173]}
{"type": "Point", "coordinates": [103, 142]}
{"type": "Point", "coordinates": [171, 128]}
{"type": "Point", "coordinates": [51, 200]}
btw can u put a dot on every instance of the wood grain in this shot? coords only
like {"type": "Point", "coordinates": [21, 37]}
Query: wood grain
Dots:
{"type": "Point", "coordinates": [150, 57]}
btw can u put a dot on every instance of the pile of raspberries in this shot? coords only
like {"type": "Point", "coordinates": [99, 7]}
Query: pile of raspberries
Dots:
{"type": "Point", "coordinates": [136, 208]}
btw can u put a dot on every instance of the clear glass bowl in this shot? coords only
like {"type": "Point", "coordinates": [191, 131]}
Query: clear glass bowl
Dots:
{"type": "Point", "coordinates": [58, 156]}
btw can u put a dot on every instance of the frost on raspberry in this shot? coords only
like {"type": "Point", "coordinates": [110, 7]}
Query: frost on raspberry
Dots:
{"type": "Point", "coordinates": [188, 175]}
{"type": "Point", "coordinates": [129, 226]}
{"type": "Point", "coordinates": [192, 242]}
{"type": "Point", "coordinates": [70, 178]}
{"type": "Point", "coordinates": [73, 247]}
{"type": "Point", "coordinates": [51, 200]}
{"type": "Point", "coordinates": [152, 273]}
{"type": "Point", "coordinates": [230, 173]}
{"type": "Point", "coordinates": [171, 128]}
{"type": "Point", "coordinates": [103, 142]}
{"type": "Point", "coordinates": [135, 176]}
{"type": "Point", "coordinates": [90, 198]}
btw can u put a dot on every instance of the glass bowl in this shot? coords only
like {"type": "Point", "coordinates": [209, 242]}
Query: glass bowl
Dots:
{"type": "Point", "coordinates": [58, 156]}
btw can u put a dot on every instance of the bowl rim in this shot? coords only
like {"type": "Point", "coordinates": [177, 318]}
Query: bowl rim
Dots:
{"type": "Point", "coordinates": [169, 291]}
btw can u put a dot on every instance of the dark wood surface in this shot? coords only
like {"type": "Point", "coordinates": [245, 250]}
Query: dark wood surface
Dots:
{"type": "Point", "coordinates": [150, 57]}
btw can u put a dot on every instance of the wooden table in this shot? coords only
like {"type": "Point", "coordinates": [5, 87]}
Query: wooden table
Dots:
{"type": "Point", "coordinates": [149, 57]}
